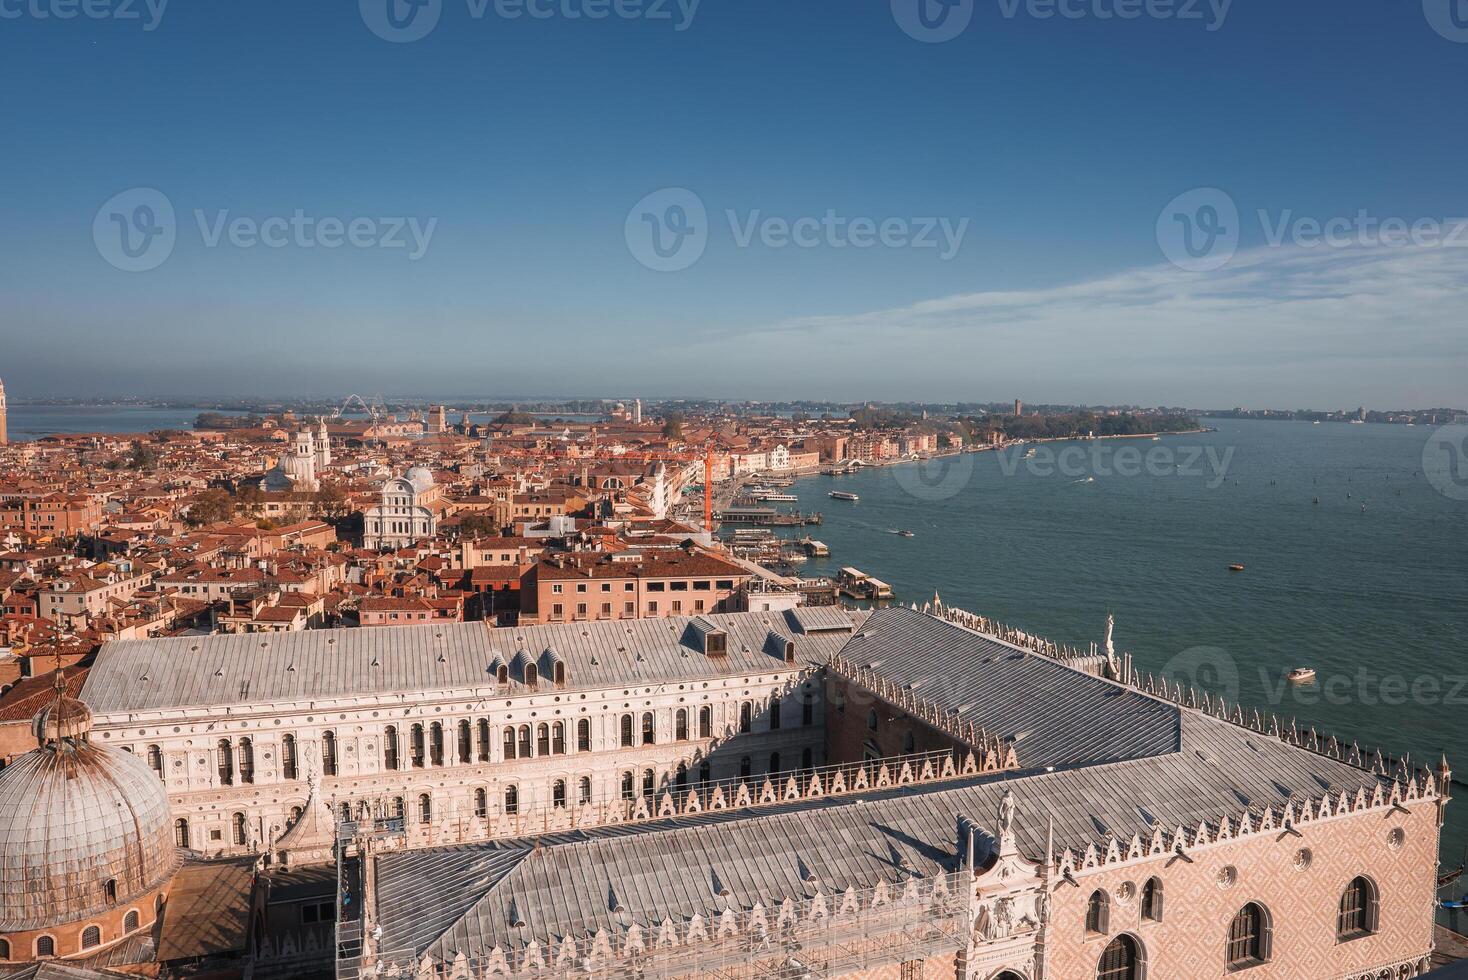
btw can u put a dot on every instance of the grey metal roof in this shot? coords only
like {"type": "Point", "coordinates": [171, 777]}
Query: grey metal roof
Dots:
{"type": "Point", "coordinates": [1056, 714]}
{"type": "Point", "coordinates": [1126, 764]}
{"type": "Point", "coordinates": [261, 669]}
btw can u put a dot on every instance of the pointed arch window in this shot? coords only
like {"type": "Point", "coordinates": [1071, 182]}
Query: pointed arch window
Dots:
{"type": "Point", "coordinates": [1249, 937]}
{"type": "Point", "coordinates": [1121, 960]}
{"type": "Point", "coordinates": [1359, 910]}
{"type": "Point", "coordinates": [1098, 913]}
{"type": "Point", "coordinates": [1152, 900]}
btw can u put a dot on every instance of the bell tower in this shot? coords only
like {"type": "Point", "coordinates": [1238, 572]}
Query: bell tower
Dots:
{"type": "Point", "coordinates": [4, 433]}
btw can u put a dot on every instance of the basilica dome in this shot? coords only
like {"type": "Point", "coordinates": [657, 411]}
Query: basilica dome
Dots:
{"type": "Point", "coordinates": [421, 477]}
{"type": "Point", "coordinates": [83, 828]}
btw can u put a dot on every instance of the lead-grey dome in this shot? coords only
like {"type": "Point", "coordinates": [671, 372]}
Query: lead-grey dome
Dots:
{"type": "Point", "coordinates": [73, 817]}
{"type": "Point", "coordinates": [421, 477]}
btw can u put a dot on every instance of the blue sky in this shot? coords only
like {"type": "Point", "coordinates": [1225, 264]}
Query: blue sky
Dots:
{"type": "Point", "coordinates": [523, 144]}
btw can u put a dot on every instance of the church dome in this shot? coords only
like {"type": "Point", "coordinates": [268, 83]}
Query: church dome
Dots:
{"type": "Point", "coordinates": [83, 829]}
{"type": "Point", "coordinates": [421, 477]}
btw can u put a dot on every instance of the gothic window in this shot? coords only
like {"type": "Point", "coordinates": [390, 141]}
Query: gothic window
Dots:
{"type": "Point", "coordinates": [1152, 900]}
{"type": "Point", "coordinates": [1358, 910]}
{"type": "Point", "coordinates": [1249, 937]}
{"type": "Point", "coordinates": [706, 722]}
{"type": "Point", "coordinates": [1098, 913]}
{"type": "Point", "coordinates": [680, 725]}
{"type": "Point", "coordinates": [1121, 960]}
{"type": "Point", "coordinates": [626, 731]}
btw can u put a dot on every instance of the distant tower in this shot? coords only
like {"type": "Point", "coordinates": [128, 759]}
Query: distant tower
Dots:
{"type": "Point", "coordinates": [636, 411]}
{"type": "Point", "coordinates": [323, 448]}
{"type": "Point", "coordinates": [1019, 407]}
{"type": "Point", "coordinates": [4, 433]}
{"type": "Point", "coordinates": [439, 420]}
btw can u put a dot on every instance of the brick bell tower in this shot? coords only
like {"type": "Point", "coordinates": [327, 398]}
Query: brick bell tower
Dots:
{"type": "Point", "coordinates": [4, 433]}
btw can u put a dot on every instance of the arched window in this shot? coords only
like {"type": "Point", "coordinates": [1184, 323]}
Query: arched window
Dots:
{"type": "Point", "coordinates": [558, 738]}
{"type": "Point", "coordinates": [390, 747]}
{"type": "Point", "coordinates": [542, 739]}
{"type": "Point", "coordinates": [532, 675]}
{"type": "Point", "coordinates": [417, 747]}
{"type": "Point", "coordinates": [1359, 909]}
{"type": "Point", "coordinates": [774, 762]}
{"type": "Point", "coordinates": [247, 761]}
{"type": "Point", "coordinates": [509, 743]}
{"type": "Point", "coordinates": [435, 744]}
{"type": "Point", "coordinates": [288, 757]}
{"type": "Point", "coordinates": [483, 740]}
{"type": "Point", "coordinates": [512, 800]}
{"type": "Point", "coordinates": [502, 675]}
{"type": "Point", "coordinates": [110, 889]}
{"type": "Point", "coordinates": [1098, 913]}
{"type": "Point", "coordinates": [1152, 900]}
{"type": "Point", "coordinates": [425, 808]}
{"type": "Point", "coordinates": [155, 760]}
{"type": "Point", "coordinates": [45, 946]}
{"type": "Point", "coordinates": [626, 732]}
{"type": "Point", "coordinates": [130, 922]}
{"type": "Point", "coordinates": [774, 714]}
{"type": "Point", "coordinates": [1121, 960]}
{"type": "Point", "coordinates": [558, 674]}
{"type": "Point", "coordinates": [558, 793]}
{"type": "Point", "coordinates": [181, 832]}
{"type": "Point", "coordinates": [295, 814]}
{"type": "Point", "coordinates": [481, 803]}
{"type": "Point", "coordinates": [649, 782]}
{"type": "Point", "coordinates": [4, 949]}
{"type": "Point", "coordinates": [226, 762]}
{"type": "Point", "coordinates": [746, 717]}
{"type": "Point", "coordinates": [328, 754]}
{"type": "Point", "coordinates": [872, 719]}
{"type": "Point", "coordinates": [237, 826]}
{"type": "Point", "coordinates": [628, 786]}
{"type": "Point", "coordinates": [706, 722]}
{"type": "Point", "coordinates": [1249, 937]}
{"type": "Point", "coordinates": [680, 725]}
{"type": "Point", "coordinates": [466, 743]}
{"type": "Point", "coordinates": [585, 790]}
{"type": "Point", "coordinates": [583, 735]}
{"type": "Point", "coordinates": [649, 729]}
{"type": "Point", "coordinates": [524, 748]}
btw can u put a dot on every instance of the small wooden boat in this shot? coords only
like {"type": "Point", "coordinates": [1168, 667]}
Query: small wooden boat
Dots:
{"type": "Point", "coordinates": [1302, 675]}
{"type": "Point", "coordinates": [1236, 568]}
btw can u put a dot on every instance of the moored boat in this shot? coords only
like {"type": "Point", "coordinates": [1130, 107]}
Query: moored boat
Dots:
{"type": "Point", "coordinates": [1236, 567]}
{"type": "Point", "coordinates": [1302, 675]}
{"type": "Point", "coordinates": [843, 495]}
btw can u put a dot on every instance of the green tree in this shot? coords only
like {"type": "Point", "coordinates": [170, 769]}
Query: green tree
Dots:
{"type": "Point", "coordinates": [210, 507]}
